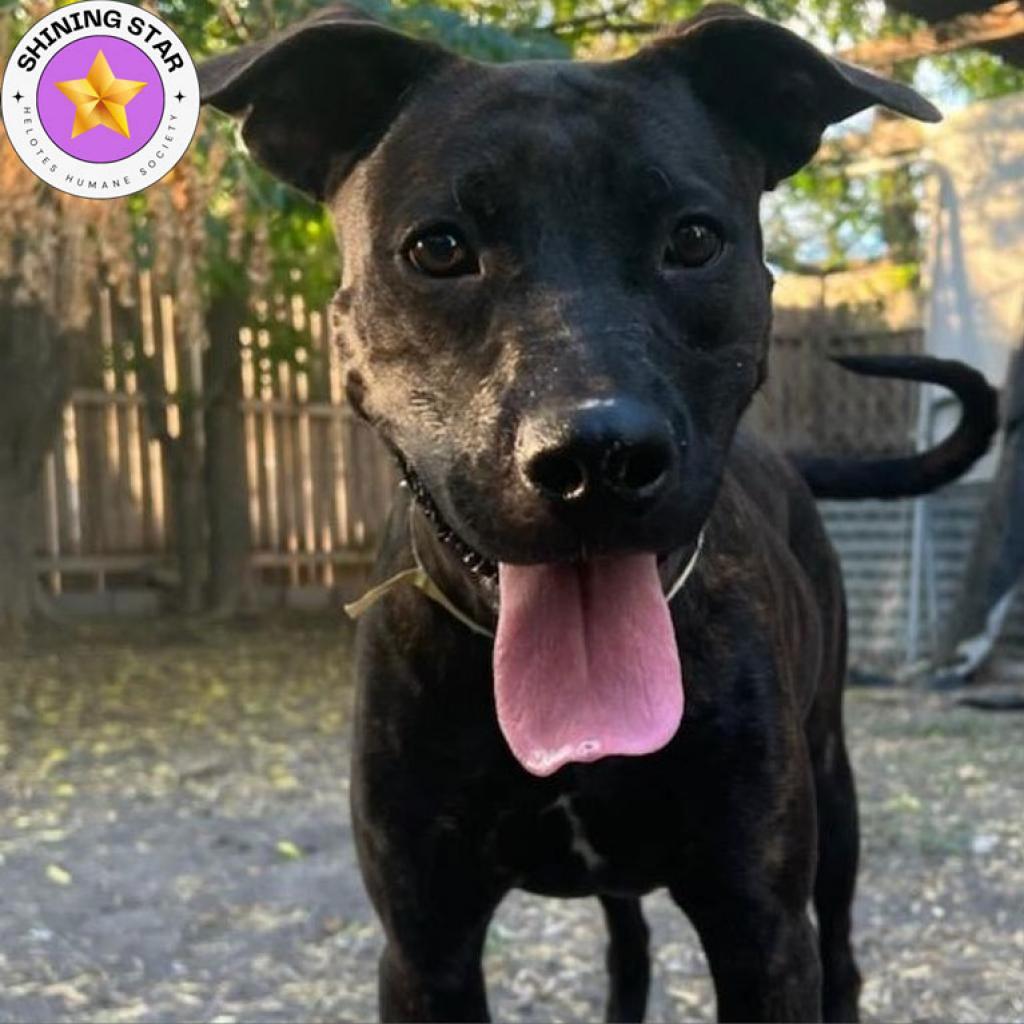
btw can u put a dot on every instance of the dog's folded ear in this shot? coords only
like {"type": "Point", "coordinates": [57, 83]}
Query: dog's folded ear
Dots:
{"type": "Point", "coordinates": [780, 91]}
{"type": "Point", "coordinates": [318, 96]}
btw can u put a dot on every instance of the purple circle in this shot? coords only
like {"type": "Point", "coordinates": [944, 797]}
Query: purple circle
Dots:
{"type": "Point", "coordinates": [101, 144]}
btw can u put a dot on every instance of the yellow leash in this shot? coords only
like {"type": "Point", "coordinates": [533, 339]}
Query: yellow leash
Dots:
{"type": "Point", "coordinates": [421, 580]}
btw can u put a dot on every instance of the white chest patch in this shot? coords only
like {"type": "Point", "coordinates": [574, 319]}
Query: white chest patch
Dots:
{"type": "Point", "coordinates": [580, 844]}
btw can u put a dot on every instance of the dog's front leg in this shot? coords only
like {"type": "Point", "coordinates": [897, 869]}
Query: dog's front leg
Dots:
{"type": "Point", "coordinates": [435, 907]}
{"type": "Point", "coordinates": [434, 890]}
{"type": "Point", "coordinates": [749, 885]}
{"type": "Point", "coordinates": [422, 797]}
{"type": "Point", "coordinates": [431, 984]}
{"type": "Point", "coordinates": [762, 954]}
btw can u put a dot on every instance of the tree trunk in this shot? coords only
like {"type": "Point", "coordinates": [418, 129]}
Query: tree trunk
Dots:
{"type": "Point", "coordinates": [34, 357]}
{"type": "Point", "coordinates": [17, 554]}
{"type": "Point", "coordinates": [996, 560]}
{"type": "Point", "coordinates": [899, 216]}
{"type": "Point", "coordinates": [227, 488]}
{"type": "Point", "coordinates": [185, 458]}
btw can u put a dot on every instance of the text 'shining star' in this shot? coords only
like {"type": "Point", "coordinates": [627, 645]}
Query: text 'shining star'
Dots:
{"type": "Point", "coordinates": [100, 98]}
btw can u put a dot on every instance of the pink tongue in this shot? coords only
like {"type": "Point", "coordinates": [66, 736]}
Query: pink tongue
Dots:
{"type": "Point", "coordinates": [585, 661]}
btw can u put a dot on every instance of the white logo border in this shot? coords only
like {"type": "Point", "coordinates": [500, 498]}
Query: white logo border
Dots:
{"type": "Point", "coordinates": [90, 180]}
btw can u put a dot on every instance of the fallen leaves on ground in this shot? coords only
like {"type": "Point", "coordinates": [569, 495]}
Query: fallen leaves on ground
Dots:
{"type": "Point", "coordinates": [175, 845]}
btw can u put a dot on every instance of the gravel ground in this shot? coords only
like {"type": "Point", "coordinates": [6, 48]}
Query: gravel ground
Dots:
{"type": "Point", "coordinates": [174, 845]}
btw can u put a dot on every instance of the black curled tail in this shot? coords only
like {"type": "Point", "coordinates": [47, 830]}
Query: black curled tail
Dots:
{"type": "Point", "coordinates": [911, 475]}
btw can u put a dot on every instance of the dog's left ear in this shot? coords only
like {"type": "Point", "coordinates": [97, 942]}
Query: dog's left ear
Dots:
{"type": "Point", "coordinates": [779, 90]}
{"type": "Point", "coordinates": [316, 98]}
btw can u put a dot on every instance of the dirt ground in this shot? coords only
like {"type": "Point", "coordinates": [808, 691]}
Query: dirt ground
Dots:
{"type": "Point", "coordinates": [175, 846]}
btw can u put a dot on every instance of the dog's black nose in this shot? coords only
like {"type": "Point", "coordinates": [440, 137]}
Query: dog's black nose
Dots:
{"type": "Point", "coordinates": [615, 447]}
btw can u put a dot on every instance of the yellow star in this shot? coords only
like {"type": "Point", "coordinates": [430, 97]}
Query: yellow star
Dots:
{"type": "Point", "coordinates": [100, 98]}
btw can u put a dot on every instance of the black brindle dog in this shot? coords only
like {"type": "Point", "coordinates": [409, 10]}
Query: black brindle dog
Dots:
{"type": "Point", "coordinates": [554, 310]}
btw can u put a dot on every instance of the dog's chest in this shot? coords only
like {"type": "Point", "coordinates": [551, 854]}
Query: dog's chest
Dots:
{"type": "Point", "coordinates": [580, 844]}
{"type": "Point", "coordinates": [569, 847]}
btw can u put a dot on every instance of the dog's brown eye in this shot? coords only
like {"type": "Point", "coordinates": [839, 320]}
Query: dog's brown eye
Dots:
{"type": "Point", "coordinates": [442, 254]}
{"type": "Point", "coordinates": [693, 244]}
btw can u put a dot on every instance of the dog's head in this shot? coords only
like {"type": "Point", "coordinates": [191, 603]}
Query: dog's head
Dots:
{"type": "Point", "coordinates": [554, 306]}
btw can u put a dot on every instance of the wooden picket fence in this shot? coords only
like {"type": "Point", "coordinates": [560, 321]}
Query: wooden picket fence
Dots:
{"type": "Point", "coordinates": [319, 483]}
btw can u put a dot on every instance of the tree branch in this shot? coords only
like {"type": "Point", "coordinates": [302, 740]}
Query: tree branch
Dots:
{"type": "Point", "coordinates": [828, 269]}
{"type": "Point", "coordinates": [1001, 21]}
{"type": "Point", "coordinates": [586, 21]}
{"type": "Point", "coordinates": [885, 139]}
{"type": "Point", "coordinates": [604, 21]}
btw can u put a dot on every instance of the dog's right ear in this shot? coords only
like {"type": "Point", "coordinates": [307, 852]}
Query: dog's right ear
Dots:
{"type": "Point", "coordinates": [317, 97]}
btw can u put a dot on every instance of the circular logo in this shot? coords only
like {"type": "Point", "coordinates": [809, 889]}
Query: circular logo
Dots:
{"type": "Point", "coordinates": [100, 99]}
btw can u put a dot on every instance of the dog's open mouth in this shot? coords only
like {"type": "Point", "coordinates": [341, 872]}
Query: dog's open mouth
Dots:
{"type": "Point", "coordinates": [585, 657]}
{"type": "Point", "coordinates": [474, 562]}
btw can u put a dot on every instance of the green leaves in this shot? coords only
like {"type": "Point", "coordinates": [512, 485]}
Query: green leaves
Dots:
{"type": "Point", "coordinates": [487, 31]}
{"type": "Point", "coordinates": [821, 217]}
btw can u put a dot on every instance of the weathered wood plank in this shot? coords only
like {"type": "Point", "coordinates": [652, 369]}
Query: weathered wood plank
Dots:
{"type": "Point", "coordinates": [1000, 21]}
